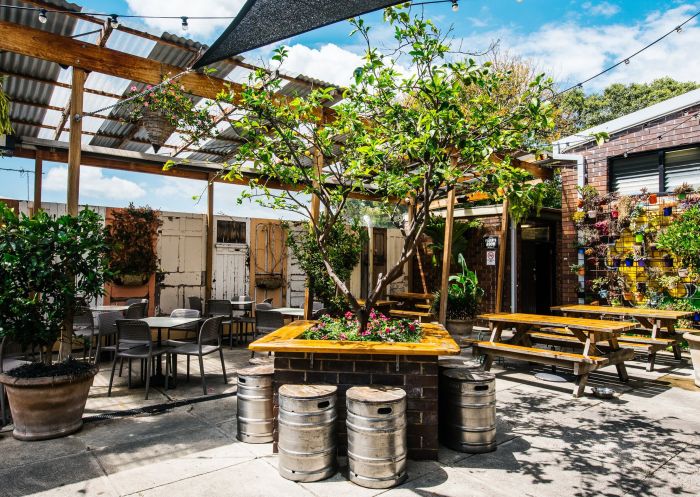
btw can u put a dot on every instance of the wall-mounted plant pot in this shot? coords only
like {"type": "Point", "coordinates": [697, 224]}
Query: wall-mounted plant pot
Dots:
{"type": "Point", "coordinates": [269, 282]}
{"type": "Point", "coordinates": [683, 273]}
{"type": "Point", "coordinates": [581, 294]}
{"type": "Point", "coordinates": [639, 238]}
{"type": "Point", "coordinates": [681, 196]}
{"type": "Point", "coordinates": [696, 317]}
{"type": "Point", "coordinates": [592, 214]}
{"type": "Point", "coordinates": [132, 279]}
{"type": "Point", "coordinates": [582, 250]}
{"type": "Point", "coordinates": [616, 262]}
{"type": "Point", "coordinates": [627, 296]}
{"type": "Point", "coordinates": [653, 199]}
{"type": "Point", "coordinates": [668, 211]}
{"type": "Point", "coordinates": [641, 287]}
{"type": "Point", "coordinates": [668, 261]}
{"type": "Point", "coordinates": [641, 263]}
{"type": "Point", "coordinates": [603, 294]}
{"type": "Point", "coordinates": [629, 262]}
{"type": "Point", "coordinates": [582, 272]}
{"type": "Point", "coordinates": [579, 203]}
{"type": "Point", "coordinates": [614, 214]}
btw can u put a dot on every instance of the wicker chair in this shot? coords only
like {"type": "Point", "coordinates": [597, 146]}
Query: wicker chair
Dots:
{"type": "Point", "coordinates": [137, 310]}
{"type": "Point", "coordinates": [134, 342]}
{"type": "Point", "coordinates": [208, 342]}
{"type": "Point", "coordinates": [244, 316]}
{"type": "Point", "coordinates": [266, 321]}
{"type": "Point", "coordinates": [224, 309]}
{"type": "Point", "coordinates": [187, 328]}
{"type": "Point", "coordinates": [84, 329]}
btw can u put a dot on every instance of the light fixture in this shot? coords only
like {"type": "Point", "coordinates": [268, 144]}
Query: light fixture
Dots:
{"type": "Point", "coordinates": [185, 26]}
{"type": "Point", "coordinates": [42, 16]}
{"type": "Point", "coordinates": [455, 5]}
{"type": "Point", "coordinates": [114, 21]}
{"type": "Point", "coordinates": [625, 155]}
{"type": "Point", "coordinates": [679, 29]}
{"type": "Point", "coordinates": [627, 62]}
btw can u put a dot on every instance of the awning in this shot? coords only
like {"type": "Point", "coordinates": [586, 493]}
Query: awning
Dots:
{"type": "Point", "coordinates": [261, 22]}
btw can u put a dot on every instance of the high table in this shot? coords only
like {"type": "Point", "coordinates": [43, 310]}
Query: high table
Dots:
{"type": "Point", "coordinates": [582, 332]}
{"type": "Point", "coordinates": [161, 323]}
{"type": "Point", "coordinates": [292, 312]}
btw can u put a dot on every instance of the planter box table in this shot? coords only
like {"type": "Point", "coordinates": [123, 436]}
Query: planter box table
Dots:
{"type": "Point", "coordinates": [410, 366]}
{"type": "Point", "coordinates": [587, 332]}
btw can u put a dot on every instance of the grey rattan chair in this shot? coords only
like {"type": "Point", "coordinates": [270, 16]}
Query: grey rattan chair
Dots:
{"type": "Point", "coordinates": [137, 301]}
{"type": "Point", "coordinates": [195, 303]}
{"type": "Point", "coordinates": [187, 328]}
{"type": "Point", "coordinates": [223, 309]}
{"type": "Point", "coordinates": [266, 321]}
{"type": "Point", "coordinates": [11, 356]}
{"type": "Point", "coordinates": [137, 310]}
{"type": "Point", "coordinates": [84, 329]}
{"type": "Point", "coordinates": [244, 316]}
{"type": "Point", "coordinates": [208, 342]}
{"type": "Point", "coordinates": [263, 306]}
{"type": "Point", "coordinates": [134, 342]}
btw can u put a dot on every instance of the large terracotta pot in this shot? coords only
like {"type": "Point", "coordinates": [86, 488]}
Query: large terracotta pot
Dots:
{"type": "Point", "coordinates": [49, 407]}
{"type": "Point", "coordinates": [460, 327]}
{"type": "Point", "coordinates": [693, 340]}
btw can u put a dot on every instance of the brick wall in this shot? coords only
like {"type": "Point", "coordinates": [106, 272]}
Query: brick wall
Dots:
{"type": "Point", "coordinates": [417, 375]}
{"type": "Point", "coordinates": [642, 138]}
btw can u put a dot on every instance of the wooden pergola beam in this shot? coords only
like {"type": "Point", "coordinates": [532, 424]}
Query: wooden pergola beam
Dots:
{"type": "Point", "coordinates": [58, 84]}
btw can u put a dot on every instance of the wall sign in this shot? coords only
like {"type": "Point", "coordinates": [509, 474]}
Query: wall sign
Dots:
{"type": "Point", "coordinates": [491, 242]}
{"type": "Point", "coordinates": [490, 257]}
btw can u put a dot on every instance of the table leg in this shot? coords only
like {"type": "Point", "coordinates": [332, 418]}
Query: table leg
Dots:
{"type": "Point", "coordinates": [580, 385]}
{"type": "Point", "coordinates": [621, 369]}
{"type": "Point", "coordinates": [671, 327]}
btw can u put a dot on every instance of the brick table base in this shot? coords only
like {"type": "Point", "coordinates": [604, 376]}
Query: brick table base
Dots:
{"type": "Point", "coordinates": [417, 375]}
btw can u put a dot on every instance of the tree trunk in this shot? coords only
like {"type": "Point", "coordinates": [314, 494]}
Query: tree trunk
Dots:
{"type": "Point", "coordinates": [363, 318]}
{"type": "Point", "coordinates": [65, 348]}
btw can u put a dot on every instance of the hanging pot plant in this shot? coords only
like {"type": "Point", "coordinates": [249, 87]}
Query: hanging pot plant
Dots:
{"type": "Point", "coordinates": [165, 108]}
{"type": "Point", "coordinates": [668, 210]}
{"type": "Point", "coordinates": [653, 198]}
{"type": "Point", "coordinates": [682, 272]}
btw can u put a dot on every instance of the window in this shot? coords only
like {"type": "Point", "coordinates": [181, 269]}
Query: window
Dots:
{"type": "Point", "coordinates": [230, 231]}
{"type": "Point", "coordinates": [662, 168]}
{"type": "Point", "coordinates": [682, 166]}
{"type": "Point", "coordinates": [630, 174]}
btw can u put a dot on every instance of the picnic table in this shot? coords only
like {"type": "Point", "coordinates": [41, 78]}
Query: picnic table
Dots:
{"type": "Point", "coordinates": [588, 334]}
{"type": "Point", "coordinates": [379, 304]}
{"type": "Point", "coordinates": [411, 296]}
{"type": "Point", "coordinates": [660, 324]}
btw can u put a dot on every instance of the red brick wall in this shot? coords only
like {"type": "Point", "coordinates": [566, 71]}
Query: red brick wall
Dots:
{"type": "Point", "coordinates": [417, 375]}
{"type": "Point", "coordinates": [642, 138]}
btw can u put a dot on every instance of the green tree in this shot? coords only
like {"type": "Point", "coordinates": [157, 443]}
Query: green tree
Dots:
{"type": "Point", "coordinates": [585, 111]}
{"type": "Point", "coordinates": [395, 135]}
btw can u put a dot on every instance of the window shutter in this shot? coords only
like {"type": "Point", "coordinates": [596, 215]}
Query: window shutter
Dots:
{"type": "Point", "coordinates": [682, 166]}
{"type": "Point", "coordinates": [630, 174]}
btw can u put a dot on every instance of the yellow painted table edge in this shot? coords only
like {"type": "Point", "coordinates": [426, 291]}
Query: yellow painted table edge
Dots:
{"type": "Point", "coordinates": [436, 341]}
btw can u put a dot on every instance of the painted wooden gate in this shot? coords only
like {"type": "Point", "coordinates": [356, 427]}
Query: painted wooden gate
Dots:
{"type": "Point", "coordinates": [231, 252]}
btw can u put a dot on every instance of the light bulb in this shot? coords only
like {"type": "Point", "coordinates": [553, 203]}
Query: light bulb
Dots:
{"type": "Point", "coordinates": [185, 26]}
{"type": "Point", "coordinates": [42, 16]}
{"type": "Point", "coordinates": [627, 61]}
{"type": "Point", "coordinates": [455, 5]}
{"type": "Point", "coordinates": [114, 21]}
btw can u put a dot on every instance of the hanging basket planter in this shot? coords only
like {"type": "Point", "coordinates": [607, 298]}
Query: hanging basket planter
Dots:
{"type": "Point", "coordinates": [158, 128]}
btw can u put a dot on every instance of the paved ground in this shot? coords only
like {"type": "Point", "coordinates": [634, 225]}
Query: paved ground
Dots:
{"type": "Point", "coordinates": [645, 442]}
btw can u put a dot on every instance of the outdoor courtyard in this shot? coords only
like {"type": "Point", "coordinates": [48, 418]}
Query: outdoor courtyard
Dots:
{"type": "Point", "coordinates": [644, 442]}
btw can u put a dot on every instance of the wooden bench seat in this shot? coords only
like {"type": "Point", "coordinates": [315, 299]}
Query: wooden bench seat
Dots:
{"type": "Point", "coordinates": [424, 307]}
{"type": "Point", "coordinates": [527, 353]}
{"type": "Point", "coordinates": [424, 317]}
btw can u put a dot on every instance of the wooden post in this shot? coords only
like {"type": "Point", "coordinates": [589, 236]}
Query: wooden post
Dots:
{"type": "Point", "coordinates": [74, 142]}
{"type": "Point", "coordinates": [502, 257]}
{"type": "Point", "coordinates": [315, 213]}
{"type": "Point", "coordinates": [209, 257]}
{"type": "Point", "coordinates": [409, 263]}
{"type": "Point", "coordinates": [38, 172]}
{"type": "Point", "coordinates": [446, 254]}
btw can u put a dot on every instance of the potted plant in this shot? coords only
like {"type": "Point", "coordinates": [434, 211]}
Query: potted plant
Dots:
{"type": "Point", "coordinates": [133, 233]}
{"type": "Point", "coordinates": [49, 266]}
{"type": "Point", "coordinates": [463, 298]}
{"type": "Point", "coordinates": [591, 200]}
{"type": "Point", "coordinates": [578, 217]}
{"type": "Point", "coordinates": [164, 108]}
{"type": "Point", "coordinates": [683, 190]}
{"type": "Point", "coordinates": [579, 269]}
{"type": "Point", "coordinates": [682, 239]}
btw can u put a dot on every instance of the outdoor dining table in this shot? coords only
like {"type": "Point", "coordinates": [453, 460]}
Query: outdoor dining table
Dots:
{"type": "Point", "coordinates": [161, 323]}
{"type": "Point", "coordinates": [293, 312]}
{"type": "Point", "coordinates": [589, 332]}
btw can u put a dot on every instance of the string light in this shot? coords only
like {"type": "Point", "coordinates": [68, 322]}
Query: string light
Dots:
{"type": "Point", "coordinates": [455, 5]}
{"type": "Point", "coordinates": [185, 26]}
{"type": "Point", "coordinates": [114, 21]}
{"type": "Point", "coordinates": [42, 16]}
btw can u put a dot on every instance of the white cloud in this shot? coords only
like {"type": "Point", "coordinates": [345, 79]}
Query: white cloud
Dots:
{"type": "Point", "coordinates": [604, 9]}
{"type": "Point", "coordinates": [202, 28]}
{"type": "Point", "coordinates": [572, 52]}
{"type": "Point", "coordinates": [329, 63]}
{"type": "Point", "coordinates": [94, 184]}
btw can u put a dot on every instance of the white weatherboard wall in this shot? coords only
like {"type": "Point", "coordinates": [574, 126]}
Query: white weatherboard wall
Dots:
{"type": "Point", "coordinates": [296, 278]}
{"type": "Point", "coordinates": [181, 249]}
{"type": "Point", "coordinates": [394, 245]}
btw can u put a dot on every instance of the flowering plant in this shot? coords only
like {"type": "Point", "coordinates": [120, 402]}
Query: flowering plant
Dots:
{"type": "Point", "coordinates": [379, 329]}
{"type": "Point", "coordinates": [170, 101]}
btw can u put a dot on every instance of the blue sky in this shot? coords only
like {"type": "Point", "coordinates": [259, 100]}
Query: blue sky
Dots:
{"type": "Point", "coordinates": [568, 39]}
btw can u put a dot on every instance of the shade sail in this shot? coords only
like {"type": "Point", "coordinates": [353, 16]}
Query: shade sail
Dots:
{"type": "Point", "coordinates": [261, 22]}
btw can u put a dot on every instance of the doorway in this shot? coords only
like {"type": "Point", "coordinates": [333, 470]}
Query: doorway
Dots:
{"type": "Point", "coordinates": [537, 268]}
